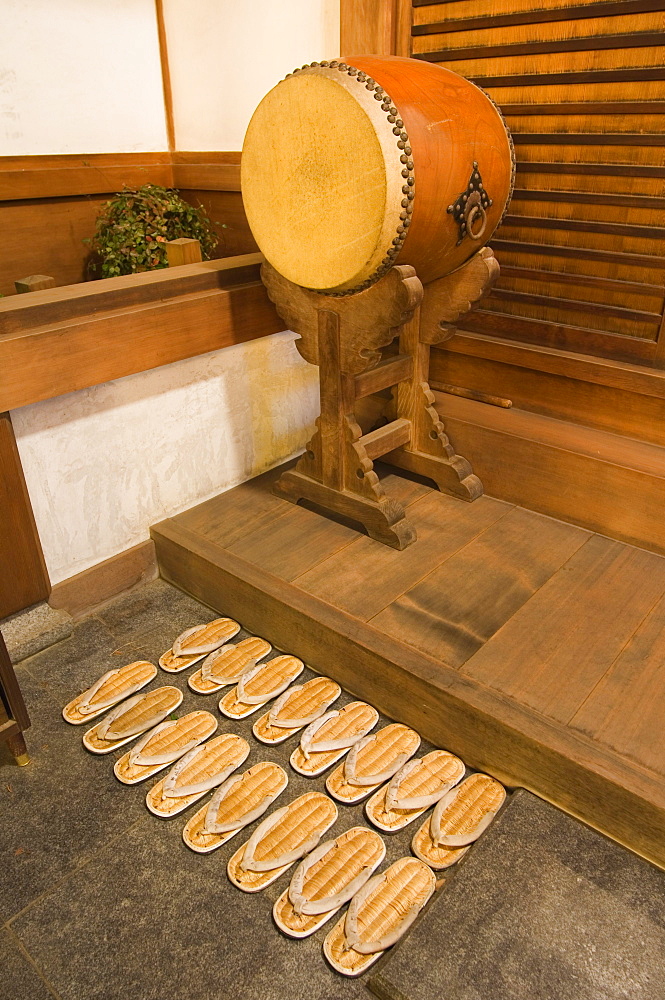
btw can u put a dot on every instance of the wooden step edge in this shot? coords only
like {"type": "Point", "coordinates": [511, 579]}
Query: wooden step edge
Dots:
{"type": "Point", "coordinates": [489, 731]}
{"type": "Point", "coordinates": [600, 445]}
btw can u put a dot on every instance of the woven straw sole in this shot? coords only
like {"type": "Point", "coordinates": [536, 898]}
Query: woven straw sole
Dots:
{"type": "Point", "coordinates": [356, 717]}
{"type": "Point", "coordinates": [229, 661]}
{"type": "Point", "coordinates": [195, 726]}
{"type": "Point", "coordinates": [319, 693]}
{"type": "Point", "coordinates": [163, 700]}
{"type": "Point", "coordinates": [133, 676]}
{"type": "Point", "coordinates": [410, 883]}
{"type": "Point", "coordinates": [376, 756]}
{"type": "Point", "coordinates": [221, 629]}
{"type": "Point", "coordinates": [258, 782]}
{"type": "Point", "coordinates": [216, 756]}
{"type": "Point", "coordinates": [356, 851]}
{"type": "Point", "coordinates": [478, 795]}
{"type": "Point", "coordinates": [437, 769]}
{"type": "Point", "coordinates": [273, 673]}
{"type": "Point", "coordinates": [309, 814]}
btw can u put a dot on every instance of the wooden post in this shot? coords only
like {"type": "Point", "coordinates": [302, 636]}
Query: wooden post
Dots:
{"type": "Point", "coordinates": [34, 282]}
{"type": "Point", "coordinates": [183, 251]}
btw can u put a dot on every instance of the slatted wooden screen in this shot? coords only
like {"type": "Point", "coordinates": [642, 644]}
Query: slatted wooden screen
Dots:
{"type": "Point", "coordinates": [582, 86]}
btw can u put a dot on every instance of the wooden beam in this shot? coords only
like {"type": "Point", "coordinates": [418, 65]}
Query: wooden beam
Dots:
{"type": "Point", "coordinates": [375, 27]}
{"type": "Point", "coordinates": [24, 580]}
{"type": "Point", "coordinates": [82, 593]}
{"type": "Point", "coordinates": [69, 338]}
{"type": "Point", "coordinates": [566, 364]}
{"type": "Point", "coordinates": [73, 175]}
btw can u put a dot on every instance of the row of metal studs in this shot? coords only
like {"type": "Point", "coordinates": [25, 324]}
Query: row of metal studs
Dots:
{"type": "Point", "coordinates": [406, 163]}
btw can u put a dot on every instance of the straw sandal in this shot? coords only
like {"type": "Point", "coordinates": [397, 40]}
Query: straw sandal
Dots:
{"type": "Point", "coordinates": [131, 718]}
{"type": "Point", "coordinates": [295, 709]}
{"type": "Point", "coordinates": [111, 688]}
{"type": "Point", "coordinates": [372, 761]}
{"type": "Point", "coordinates": [163, 745]}
{"type": "Point", "coordinates": [416, 786]}
{"type": "Point", "coordinates": [458, 820]}
{"type": "Point", "coordinates": [206, 766]}
{"type": "Point", "coordinates": [235, 804]}
{"type": "Point", "coordinates": [379, 914]}
{"type": "Point", "coordinates": [259, 685]}
{"type": "Point", "coordinates": [194, 643]}
{"type": "Point", "coordinates": [326, 879]}
{"type": "Point", "coordinates": [327, 739]}
{"type": "Point", "coordinates": [283, 838]}
{"type": "Point", "coordinates": [227, 665]}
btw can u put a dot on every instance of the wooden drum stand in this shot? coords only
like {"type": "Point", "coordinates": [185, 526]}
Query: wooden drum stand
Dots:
{"type": "Point", "coordinates": [344, 335]}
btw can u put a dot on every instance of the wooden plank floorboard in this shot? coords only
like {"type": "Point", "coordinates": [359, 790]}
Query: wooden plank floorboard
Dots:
{"type": "Point", "coordinates": [454, 610]}
{"type": "Point", "coordinates": [297, 541]}
{"type": "Point", "coordinates": [559, 645]}
{"type": "Point", "coordinates": [233, 514]}
{"type": "Point", "coordinates": [367, 576]}
{"type": "Point", "coordinates": [626, 709]}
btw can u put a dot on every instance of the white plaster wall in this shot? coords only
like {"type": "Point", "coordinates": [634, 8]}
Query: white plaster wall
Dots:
{"type": "Point", "coordinates": [225, 55]}
{"type": "Point", "coordinates": [105, 463]}
{"type": "Point", "coordinates": [80, 76]}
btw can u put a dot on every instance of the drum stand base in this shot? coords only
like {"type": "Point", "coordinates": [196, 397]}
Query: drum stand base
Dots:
{"type": "Point", "coordinates": [344, 336]}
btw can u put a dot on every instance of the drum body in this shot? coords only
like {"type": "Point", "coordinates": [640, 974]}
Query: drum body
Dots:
{"type": "Point", "coordinates": [350, 167]}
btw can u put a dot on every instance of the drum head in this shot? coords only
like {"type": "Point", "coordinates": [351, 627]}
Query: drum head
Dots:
{"type": "Point", "coordinates": [322, 181]}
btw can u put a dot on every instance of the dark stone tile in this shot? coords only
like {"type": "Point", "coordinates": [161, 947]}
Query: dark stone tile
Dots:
{"type": "Point", "coordinates": [543, 908]}
{"type": "Point", "coordinates": [68, 668]}
{"type": "Point", "coordinates": [59, 809]}
{"type": "Point", "coordinates": [148, 918]}
{"type": "Point", "coordinates": [156, 606]}
{"type": "Point", "coordinates": [18, 978]}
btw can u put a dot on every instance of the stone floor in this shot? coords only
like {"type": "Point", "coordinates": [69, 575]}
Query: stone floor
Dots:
{"type": "Point", "coordinates": [100, 899]}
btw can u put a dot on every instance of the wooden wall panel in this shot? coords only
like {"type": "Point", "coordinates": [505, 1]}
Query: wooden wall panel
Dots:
{"type": "Point", "coordinates": [582, 86]}
{"type": "Point", "coordinates": [49, 204]}
{"type": "Point", "coordinates": [24, 580]}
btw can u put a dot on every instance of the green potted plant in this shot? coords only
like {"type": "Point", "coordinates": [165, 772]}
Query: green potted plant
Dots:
{"type": "Point", "coordinates": [133, 227]}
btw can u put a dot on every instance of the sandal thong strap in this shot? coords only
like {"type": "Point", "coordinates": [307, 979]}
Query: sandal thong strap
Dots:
{"type": "Point", "coordinates": [351, 932]}
{"type": "Point", "coordinates": [166, 757]}
{"type": "Point", "coordinates": [84, 706]}
{"type": "Point", "coordinates": [258, 699]}
{"type": "Point", "coordinates": [301, 904]}
{"type": "Point", "coordinates": [170, 789]}
{"type": "Point", "coordinates": [307, 738]}
{"type": "Point", "coordinates": [305, 720]}
{"type": "Point", "coordinates": [455, 840]}
{"type": "Point", "coordinates": [105, 731]}
{"type": "Point", "coordinates": [249, 862]}
{"type": "Point", "coordinates": [394, 801]}
{"type": "Point", "coordinates": [211, 826]}
{"type": "Point", "coordinates": [197, 648]}
{"type": "Point", "coordinates": [351, 763]}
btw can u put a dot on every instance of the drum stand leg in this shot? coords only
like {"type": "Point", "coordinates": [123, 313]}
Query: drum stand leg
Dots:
{"type": "Point", "coordinates": [336, 471]}
{"type": "Point", "coordinates": [342, 336]}
{"type": "Point", "coordinates": [428, 451]}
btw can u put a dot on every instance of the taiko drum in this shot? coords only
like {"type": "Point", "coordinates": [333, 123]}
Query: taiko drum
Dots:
{"type": "Point", "coordinates": [351, 166]}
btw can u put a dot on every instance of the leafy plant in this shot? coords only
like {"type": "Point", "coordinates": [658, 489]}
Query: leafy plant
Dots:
{"type": "Point", "coordinates": [133, 227]}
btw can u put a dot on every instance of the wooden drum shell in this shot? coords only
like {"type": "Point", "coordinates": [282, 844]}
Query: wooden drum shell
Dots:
{"type": "Point", "coordinates": [451, 124]}
{"type": "Point", "coordinates": [352, 166]}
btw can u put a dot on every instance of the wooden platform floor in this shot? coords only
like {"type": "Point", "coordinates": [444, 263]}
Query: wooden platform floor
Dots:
{"type": "Point", "coordinates": [533, 648]}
